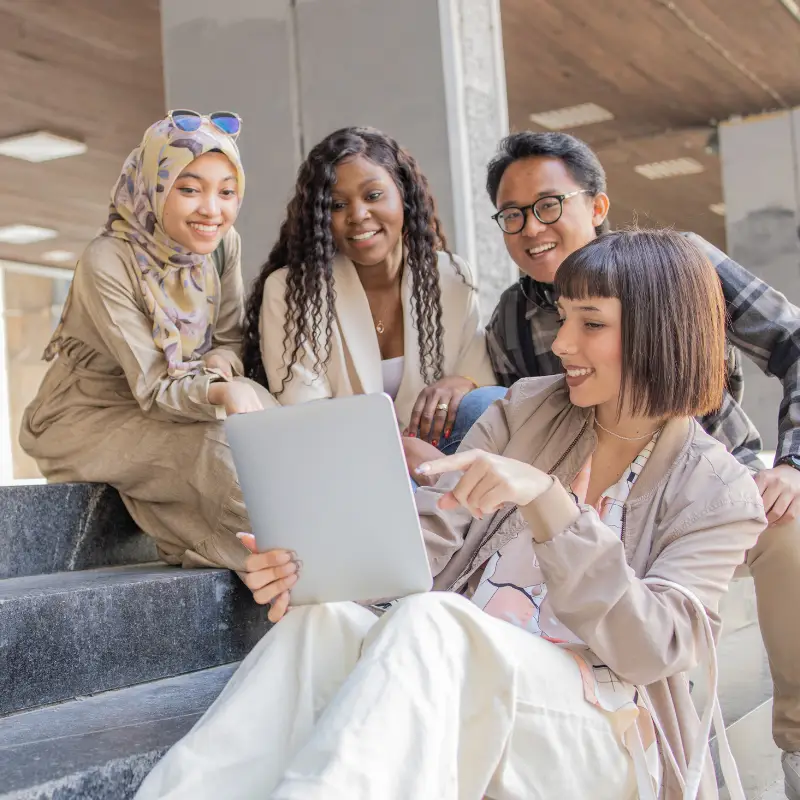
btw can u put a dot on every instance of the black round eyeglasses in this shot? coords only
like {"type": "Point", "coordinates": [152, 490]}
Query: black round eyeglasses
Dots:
{"type": "Point", "coordinates": [512, 219]}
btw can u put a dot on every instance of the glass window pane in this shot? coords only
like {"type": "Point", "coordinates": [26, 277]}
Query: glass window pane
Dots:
{"type": "Point", "coordinates": [32, 306]}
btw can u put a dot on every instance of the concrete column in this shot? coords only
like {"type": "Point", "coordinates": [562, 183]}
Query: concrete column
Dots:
{"type": "Point", "coordinates": [430, 74]}
{"type": "Point", "coordinates": [761, 186]}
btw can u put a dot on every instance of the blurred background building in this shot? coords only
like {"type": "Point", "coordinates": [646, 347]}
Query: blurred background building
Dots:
{"type": "Point", "coordinates": [689, 104]}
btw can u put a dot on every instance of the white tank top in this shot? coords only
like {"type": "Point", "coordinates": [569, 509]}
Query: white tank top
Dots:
{"type": "Point", "coordinates": [392, 369]}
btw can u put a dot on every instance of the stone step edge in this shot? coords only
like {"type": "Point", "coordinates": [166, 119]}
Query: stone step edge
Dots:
{"type": "Point", "coordinates": [76, 634]}
{"type": "Point", "coordinates": [61, 747]}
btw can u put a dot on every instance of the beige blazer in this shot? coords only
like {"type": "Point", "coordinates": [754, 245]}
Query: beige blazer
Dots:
{"type": "Point", "coordinates": [355, 359]}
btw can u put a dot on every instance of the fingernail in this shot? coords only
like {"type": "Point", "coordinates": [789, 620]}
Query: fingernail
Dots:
{"type": "Point", "coordinates": [435, 442]}
{"type": "Point", "coordinates": [447, 433]}
{"type": "Point", "coordinates": [293, 555]}
{"type": "Point", "coordinates": [423, 469]}
{"type": "Point", "coordinates": [242, 535]}
{"type": "Point", "coordinates": [412, 435]}
{"type": "Point", "coordinates": [292, 578]}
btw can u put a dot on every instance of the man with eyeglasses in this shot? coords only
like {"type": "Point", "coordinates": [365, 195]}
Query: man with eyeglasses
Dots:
{"type": "Point", "coordinates": [550, 193]}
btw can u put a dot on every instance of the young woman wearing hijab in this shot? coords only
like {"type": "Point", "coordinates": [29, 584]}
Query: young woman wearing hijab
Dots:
{"type": "Point", "coordinates": [146, 357]}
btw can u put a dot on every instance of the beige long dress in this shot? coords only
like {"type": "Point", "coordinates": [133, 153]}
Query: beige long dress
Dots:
{"type": "Point", "coordinates": [108, 412]}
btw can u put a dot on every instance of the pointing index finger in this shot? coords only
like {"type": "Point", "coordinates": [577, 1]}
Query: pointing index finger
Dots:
{"type": "Point", "coordinates": [454, 463]}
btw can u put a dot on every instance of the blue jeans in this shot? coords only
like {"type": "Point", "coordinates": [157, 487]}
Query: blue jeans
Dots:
{"type": "Point", "coordinates": [469, 410]}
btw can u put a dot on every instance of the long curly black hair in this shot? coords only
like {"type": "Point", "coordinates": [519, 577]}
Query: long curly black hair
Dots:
{"type": "Point", "coordinates": [305, 245]}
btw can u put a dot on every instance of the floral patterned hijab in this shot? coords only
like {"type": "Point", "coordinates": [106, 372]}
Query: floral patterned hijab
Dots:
{"type": "Point", "coordinates": [181, 289]}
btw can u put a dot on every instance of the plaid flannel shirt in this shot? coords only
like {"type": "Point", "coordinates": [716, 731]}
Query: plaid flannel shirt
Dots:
{"type": "Point", "coordinates": [761, 322]}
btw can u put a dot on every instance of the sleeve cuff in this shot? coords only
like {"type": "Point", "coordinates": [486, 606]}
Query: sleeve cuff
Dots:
{"type": "Point", "coordinates": [551, 513]}
{"type": "Point", "coordinates": [201, 400]}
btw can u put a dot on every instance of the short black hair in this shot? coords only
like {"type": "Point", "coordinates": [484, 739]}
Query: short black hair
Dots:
{"type": "Point", "coordinates": [579, 159]}
{"type": "Point", "coordinates": [673, 317]}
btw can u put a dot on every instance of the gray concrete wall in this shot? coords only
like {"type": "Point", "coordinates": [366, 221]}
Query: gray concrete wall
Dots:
{"type": "Point", "coordinates": [761, 185]}
{"type": "Point", "coordinates": [429, 73]}
{"type": "Point", "coordinates": [238, 56]}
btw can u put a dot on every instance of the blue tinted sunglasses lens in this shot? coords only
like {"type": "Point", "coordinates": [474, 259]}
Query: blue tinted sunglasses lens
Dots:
{"type": "Point", "coordinates": [187, 121]}
{"type": "Point", "coordinates": [227, 123]}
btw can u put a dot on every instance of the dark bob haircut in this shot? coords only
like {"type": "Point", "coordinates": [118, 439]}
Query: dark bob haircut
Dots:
{"type": "Point", "coordinates": [673, 317]}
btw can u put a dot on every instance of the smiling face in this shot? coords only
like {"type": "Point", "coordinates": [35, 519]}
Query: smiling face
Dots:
{"type": "Point", "coordinates": [202, 204]}
{"type": "Point", "coordinates": [589, 344]}
{"type": "Point", "coordinates": [367, 212]}
{"type": "Point", "coordinates": [539, 249]}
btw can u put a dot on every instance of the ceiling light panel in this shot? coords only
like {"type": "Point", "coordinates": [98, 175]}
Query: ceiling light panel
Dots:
{"type": "Point", "coordinates": [572, 117]}
{"type": "Point", "coordinates": [25, 234]}
{"type": "Point", "coordinates": [61, 256]}
{"type": "Point", "coordinates": [658, 170]}
{"type": "Point", "coordinates": [40, 146]}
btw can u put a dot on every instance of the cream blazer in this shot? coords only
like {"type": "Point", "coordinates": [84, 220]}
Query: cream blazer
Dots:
{"type": "Point", "coordinates": [355, 359]}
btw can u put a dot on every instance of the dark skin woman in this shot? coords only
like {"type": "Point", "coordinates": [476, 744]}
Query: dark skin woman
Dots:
{"type": "Point", "coordinates": [362, 200]}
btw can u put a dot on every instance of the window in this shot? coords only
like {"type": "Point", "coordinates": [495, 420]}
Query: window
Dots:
{"type": "Point", "coordinates": [31, 299]}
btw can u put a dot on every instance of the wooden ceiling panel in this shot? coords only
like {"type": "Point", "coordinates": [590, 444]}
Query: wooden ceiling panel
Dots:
{"type": "Point", "coordinates": [86, 69]}
{"type": "Point", "coordinates": [92, 69]}
{"type": "Point", "coordinates": [667, 71]}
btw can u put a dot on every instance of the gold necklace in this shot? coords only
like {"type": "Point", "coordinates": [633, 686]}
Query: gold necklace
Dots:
{"type": "Point", "coordinates": [380, 327]}
{"type": "Point", "coordinates": [626, 438]}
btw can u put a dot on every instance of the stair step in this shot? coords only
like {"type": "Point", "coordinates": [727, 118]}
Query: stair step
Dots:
{"type": "Point", "coordinates": [67, 526]}
{"type": "Point", "coordinates": [77, 633]}
{"type": "Point", "coordinates": [745, 689]}
{"type": "Point", "coordinates": [101, 747]}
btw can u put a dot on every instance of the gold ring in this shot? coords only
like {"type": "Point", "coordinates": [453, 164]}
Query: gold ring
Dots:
{"type": "Point", "coordinates": [442, 407]}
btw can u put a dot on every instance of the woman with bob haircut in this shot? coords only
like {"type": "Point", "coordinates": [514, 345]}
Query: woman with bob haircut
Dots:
{"type": "Point", "coordinates": [582, 538]}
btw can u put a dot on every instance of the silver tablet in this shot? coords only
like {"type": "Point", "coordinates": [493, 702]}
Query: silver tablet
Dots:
{"type": "Point", "coordinates": [328, 480]}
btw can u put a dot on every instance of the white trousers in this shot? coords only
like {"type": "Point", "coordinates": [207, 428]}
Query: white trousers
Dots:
{"type": "Point", "coordinates": [436, 700]}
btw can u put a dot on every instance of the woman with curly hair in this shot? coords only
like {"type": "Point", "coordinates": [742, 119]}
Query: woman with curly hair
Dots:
{"type": "Point", "coordinates": [360, 294]}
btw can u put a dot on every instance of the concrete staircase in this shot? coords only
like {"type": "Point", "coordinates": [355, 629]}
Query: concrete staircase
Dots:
{"type": "Point", "coordinates": [107, 657]}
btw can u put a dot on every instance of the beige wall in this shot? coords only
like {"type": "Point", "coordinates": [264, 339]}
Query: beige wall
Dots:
{"type": "Point", "coordinates": [32, 305]}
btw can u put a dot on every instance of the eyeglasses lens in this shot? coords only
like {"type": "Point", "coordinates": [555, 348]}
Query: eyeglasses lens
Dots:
{"type": "Point", "coordinates": [227, 123]}
{"type": "Point", "coordinates": [547, 210]}
{"type": "Point", "coordinates": [187, 121]}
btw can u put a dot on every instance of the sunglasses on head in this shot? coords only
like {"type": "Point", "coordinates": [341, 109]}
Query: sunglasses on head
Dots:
{"type": "Point", "coordinates": [189, 121]}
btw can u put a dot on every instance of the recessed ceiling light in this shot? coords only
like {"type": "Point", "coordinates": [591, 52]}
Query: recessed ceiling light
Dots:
{"type": "Point", "coordinates": [40, 146]}
{"type": "Point", "coordinates": [25, 234]}
{"type": "Point", "coordinates": [59, 255]}
{"type": "Point", "coordinates": [572, 117]}
{"type": "Point", "coordinates": [669, 169]}
{"type": "Point", "coordinates": [718, 208]}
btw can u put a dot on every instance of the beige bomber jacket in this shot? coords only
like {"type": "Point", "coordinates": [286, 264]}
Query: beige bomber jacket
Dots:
{"type": "Point", "coordinates": [691, 516]}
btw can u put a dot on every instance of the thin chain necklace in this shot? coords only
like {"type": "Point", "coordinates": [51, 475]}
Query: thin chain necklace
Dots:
{"type": "Point", "coordinates": [627, 438]}
{"type": "Point", "coordinates": [377, 320]}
